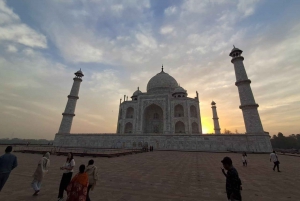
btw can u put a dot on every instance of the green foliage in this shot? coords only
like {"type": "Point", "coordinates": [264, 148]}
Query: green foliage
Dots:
{"type": "Point", "coordinates": [282, 142]}
{"type": "Point", "coordinates": [227, 131]}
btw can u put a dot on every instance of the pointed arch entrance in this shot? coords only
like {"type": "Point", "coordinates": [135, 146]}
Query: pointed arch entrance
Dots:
{"type": "Point", "coordinates": [179, 127]}
{"type": "Point", "coordinates": [178, 111]}
{"type": "Point", "coordinates": [153, 119]}
{"type": "Point", "coordinates": [128, 128]}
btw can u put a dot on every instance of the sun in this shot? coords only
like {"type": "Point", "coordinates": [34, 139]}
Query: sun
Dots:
{"type": "Point", "coordinates": [207, 129]}
{"type": "Point", "coordinates": [204, 130]}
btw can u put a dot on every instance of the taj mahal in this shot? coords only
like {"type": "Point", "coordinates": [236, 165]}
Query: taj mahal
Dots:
{"type": "Point", "coordinates": [166, 118]}
{"type": "Point", "coordinates": [165, 108]}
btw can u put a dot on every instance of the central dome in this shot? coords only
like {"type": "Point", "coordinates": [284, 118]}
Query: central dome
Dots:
{"type": "Point", "coordinates": [161, 82]}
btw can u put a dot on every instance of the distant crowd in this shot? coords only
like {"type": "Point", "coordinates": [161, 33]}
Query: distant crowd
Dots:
{"type": "Point", "coordinates": [79, 187]}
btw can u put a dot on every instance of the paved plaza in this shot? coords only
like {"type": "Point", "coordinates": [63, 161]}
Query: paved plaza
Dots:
{"type": "Point", "coordinates": [163, 175]}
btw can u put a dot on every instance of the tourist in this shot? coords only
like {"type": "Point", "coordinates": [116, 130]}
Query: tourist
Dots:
{"type": "Point", "coordinates": [38, 175]}
{"type": "Point", "coordinates": [8, 162]}
{"type": "Point", "coordinates": [233, 182]}
{"type": "Point", "coordinates": [67, 175]}
{"type": "Point", "coordinates": [274, 158]}
{"type": "Point", "coordinates": [92, 172]}
{"type": "Point", "coordinates": [244, 159]}
{"type": "Point", "coordinates": [77, 189]}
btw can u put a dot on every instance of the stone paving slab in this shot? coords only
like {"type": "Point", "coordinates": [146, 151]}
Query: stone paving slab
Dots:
{"type": "Point", "coordinates": [164, 175]}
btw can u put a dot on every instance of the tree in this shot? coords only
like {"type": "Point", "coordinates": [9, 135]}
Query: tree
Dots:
{"type": "Point", "coordinates": [282, 142]}
{"type": "Point", "coordinates": [227, 131]}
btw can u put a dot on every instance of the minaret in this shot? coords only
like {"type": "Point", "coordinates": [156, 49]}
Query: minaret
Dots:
{"type": "Point", "coordinates": [66, 122]}
{"type": "Point", "coordinates": [215, 118]}
{"type": "Point", "coordinates": [248, 106]}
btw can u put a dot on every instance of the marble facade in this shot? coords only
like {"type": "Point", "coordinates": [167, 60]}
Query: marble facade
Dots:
{"type": "Point", "coordinates": [165, 108]}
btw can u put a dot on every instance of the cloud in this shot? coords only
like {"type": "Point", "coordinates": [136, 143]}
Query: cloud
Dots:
{"type": "Point", "coordinates": [13, 30]}
{"type": "Point", "coordinates": [247, 7]}
{"type": "Point", "coordinates": [11, 48]}
{"type": "Point", "coordinates": [166, 30]}
{"type": "Point", "coordinates": [170, 10]}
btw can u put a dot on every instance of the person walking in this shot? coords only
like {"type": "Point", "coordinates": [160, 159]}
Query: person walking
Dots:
{"type": "Point", "coordinates": [244, 159]}
{"type": "Point", "coordinates": [92, 172]}
{"type": "Point", "coordinates": [77, 189]}
{"type": "Point", "coordinates": [233, 181]}
{"type": "Point", "coordinates": [39, 173]}
{"type": "Point", "coordinates": [67, 175]}
{"type": "Point", "coordinates": [8, 162]}
{"type": "Point", "coordinates": [274, 159]}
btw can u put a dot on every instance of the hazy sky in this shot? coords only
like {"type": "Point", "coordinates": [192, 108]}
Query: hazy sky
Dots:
{"type": "Point", "coordinates": [120, 45]}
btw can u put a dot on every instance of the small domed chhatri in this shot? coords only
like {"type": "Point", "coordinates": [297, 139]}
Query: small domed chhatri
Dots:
{"type": "Point", "coordinates": [79, 74]}
{"type": "Point", "coordinates": [235, 52]}
{"type": "Point", "coordinates": [136, 93]}
{"type": "Point", "coordinates": [179, 90]}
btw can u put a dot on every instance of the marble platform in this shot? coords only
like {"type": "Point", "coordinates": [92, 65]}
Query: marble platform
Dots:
{"type": "Point", "coordinates": [210, 143]}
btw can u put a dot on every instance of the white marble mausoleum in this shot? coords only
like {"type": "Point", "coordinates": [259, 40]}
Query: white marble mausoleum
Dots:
{"type": "Point", "coordinates": [164, 109]}
{"type": "Point", "coordinates": [167, 119]}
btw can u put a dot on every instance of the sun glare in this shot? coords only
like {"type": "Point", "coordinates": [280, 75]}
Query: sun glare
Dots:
{"type": "Point", "coordinates": [206, 129]}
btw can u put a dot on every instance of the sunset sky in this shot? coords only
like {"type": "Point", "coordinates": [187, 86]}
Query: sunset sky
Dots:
{"type": "Point", "coordinates": [120, 45]}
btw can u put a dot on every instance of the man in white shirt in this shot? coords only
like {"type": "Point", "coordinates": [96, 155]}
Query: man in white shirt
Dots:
{"type": "Point", "coordinates": [274, 159]}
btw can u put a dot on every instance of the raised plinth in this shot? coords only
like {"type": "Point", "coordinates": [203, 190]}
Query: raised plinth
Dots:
{"type": "Point", "coordinates": [259, 143]}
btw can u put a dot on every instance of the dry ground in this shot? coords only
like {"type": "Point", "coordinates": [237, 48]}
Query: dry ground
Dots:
{"type": "Point", "coordinates": [164, 175]}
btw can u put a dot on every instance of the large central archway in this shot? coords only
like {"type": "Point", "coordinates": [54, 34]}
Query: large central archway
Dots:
{"type": "Point", "coordinates": [153, 119]}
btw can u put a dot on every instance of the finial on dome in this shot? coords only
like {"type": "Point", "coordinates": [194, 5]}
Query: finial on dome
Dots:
{"type": "Point", "coordinates": [233, 46]}
{"type": "Point", "coordinates": [162, 68]}
{"type": "Point", "coordinates": [138, 88]}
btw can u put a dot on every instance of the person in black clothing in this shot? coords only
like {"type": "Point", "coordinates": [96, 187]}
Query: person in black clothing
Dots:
{"type": "Point", "coordinates": [233, 182]}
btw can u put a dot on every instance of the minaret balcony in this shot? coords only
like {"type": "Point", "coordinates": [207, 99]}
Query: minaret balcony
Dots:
{"type": "Point", "coordinates": [249, 106]}
{"type": "Point", "coordinates": [73, 97]}
{"type": "Point", "coordinates": [238, 83]}
{"type": "Point", "coordinates": [67, 114]}
{"type": "Point", "coordinates": [77, 79]}
{"type": "Point", "coordinates": [237, 58]}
